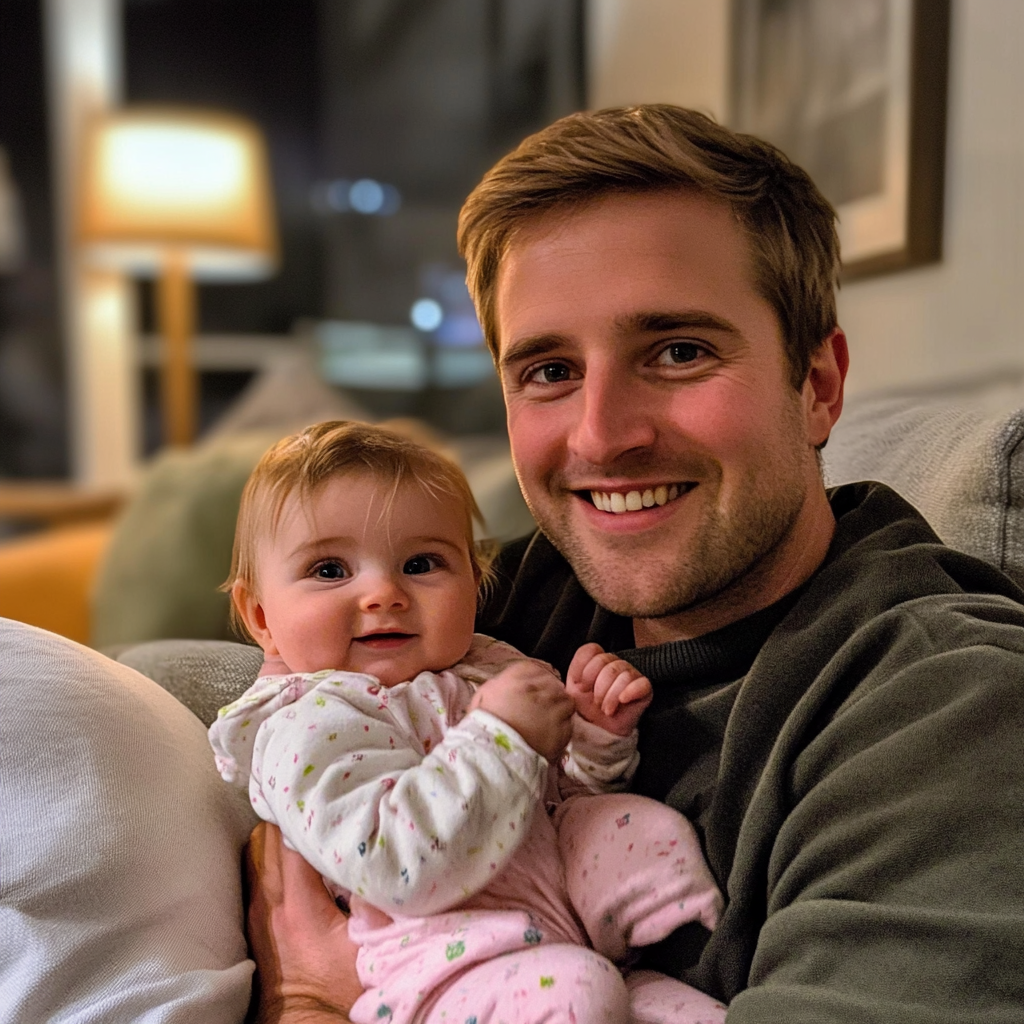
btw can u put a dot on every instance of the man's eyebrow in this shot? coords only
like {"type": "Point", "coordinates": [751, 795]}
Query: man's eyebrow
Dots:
{"type": "Point", "coordinates": [645, 322]}
{"type": "Point", "coordinates": [656, 321]}
{"type": "Point", "coordinates": [529, 348]}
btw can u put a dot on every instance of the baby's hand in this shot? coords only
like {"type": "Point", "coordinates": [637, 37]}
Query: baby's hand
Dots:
{"type": "Point", "coordinates": [533, 701]}
{"type": "Point", "coordinates": [608, 691]}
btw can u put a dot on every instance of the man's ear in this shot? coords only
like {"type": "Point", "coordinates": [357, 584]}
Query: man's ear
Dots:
{"type": "Point", "coordinates": [823, 388]}
{"type": "Point", "coordinates": [250, 611]}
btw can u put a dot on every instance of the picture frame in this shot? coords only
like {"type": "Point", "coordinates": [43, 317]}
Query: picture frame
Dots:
{"type": "Point", "coordinates": [854, 91]}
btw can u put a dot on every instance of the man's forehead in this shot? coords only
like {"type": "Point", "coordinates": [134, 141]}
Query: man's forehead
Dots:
{"type": "Point", "coordinates": [550, 242]}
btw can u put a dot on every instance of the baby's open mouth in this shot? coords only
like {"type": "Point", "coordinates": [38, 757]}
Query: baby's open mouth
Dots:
{"type": "Point", "coordinates": [632, 501]}
{"type": "Point", "coordinates": [383, 639]}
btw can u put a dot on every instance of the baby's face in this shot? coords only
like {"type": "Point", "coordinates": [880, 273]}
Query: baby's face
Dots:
{"type": "Point", "coordinates": [341, 588]}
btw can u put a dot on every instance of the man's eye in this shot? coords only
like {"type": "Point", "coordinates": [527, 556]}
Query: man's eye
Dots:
{"type": "Point", "coordinates": [329, 571]}
{"type": "Point", "coordinates": [420, 564]}
{"type": "Point", "coordinates": [679, 353]}
{"type": "Point", "coordinates": [550, 373]}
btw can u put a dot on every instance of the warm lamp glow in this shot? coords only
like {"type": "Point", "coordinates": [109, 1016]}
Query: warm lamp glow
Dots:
{"type": "Point", "coordinates": [158, 178]}
{"type": "Point", "coordinates": [177, 194]}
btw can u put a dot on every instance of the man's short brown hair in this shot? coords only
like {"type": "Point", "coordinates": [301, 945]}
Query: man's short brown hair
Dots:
{"type": "Point", "coordinates": [304, 462]}
{"type": "Point", "coordinates": [660, 148]}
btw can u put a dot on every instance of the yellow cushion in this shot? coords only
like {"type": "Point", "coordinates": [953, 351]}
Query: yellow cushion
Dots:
{"type": "Point", "coordinates": [46, 578]}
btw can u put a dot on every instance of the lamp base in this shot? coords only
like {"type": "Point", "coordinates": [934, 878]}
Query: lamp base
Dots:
{"type": "Point", "coordinates": [178, 389]}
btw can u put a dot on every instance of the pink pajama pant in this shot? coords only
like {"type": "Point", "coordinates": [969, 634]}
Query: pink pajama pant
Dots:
{"type": "Point", "coordinates": [629, 869]}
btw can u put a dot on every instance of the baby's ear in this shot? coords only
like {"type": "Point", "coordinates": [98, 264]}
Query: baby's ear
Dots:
{"type": "Point", "coordinates": [250, 613]}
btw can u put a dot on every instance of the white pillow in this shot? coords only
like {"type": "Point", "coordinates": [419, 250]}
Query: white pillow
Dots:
{"type": "Point", "coordinates": [120, 895]}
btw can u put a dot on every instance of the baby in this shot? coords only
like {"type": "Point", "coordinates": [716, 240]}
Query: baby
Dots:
{"type": "Point", "coordinates": [409, 759]}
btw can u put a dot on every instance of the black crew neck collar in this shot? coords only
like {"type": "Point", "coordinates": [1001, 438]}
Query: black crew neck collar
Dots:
{"type": "Point", "coordinates": [718, 657]}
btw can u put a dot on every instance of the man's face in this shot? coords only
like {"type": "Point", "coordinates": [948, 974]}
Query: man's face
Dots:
{"type": "Point", "coordinates": [655, 433]}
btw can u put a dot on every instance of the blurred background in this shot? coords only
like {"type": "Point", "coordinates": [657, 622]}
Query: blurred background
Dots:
{"type": "Point", "coordinates": [379, 116]}
{"type": "Point", "coordinates": [172, 303]}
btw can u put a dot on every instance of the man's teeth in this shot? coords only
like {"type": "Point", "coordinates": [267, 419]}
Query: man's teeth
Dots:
{"type": "Point", "coordinates": [633, 501]}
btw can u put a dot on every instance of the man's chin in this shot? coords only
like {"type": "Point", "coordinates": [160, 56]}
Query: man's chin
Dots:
{"type": "Point", "coordinates": [633, 603]}
{"type": "Point", "coordinates": [630, 586]}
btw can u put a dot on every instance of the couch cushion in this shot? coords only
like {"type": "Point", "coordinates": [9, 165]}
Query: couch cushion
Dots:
{"type": "Point", "coordinates": [203, 674]}
{"type": "Point", "coordinates": [956, 454]}
{"type": "Point", "coordinates": [120, 893]}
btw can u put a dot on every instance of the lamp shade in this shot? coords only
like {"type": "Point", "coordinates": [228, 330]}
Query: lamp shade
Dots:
{"type": "Point", "coordinates": [156, 179]}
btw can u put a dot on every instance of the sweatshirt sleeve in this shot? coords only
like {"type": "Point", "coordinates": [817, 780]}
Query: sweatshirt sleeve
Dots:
{"type": "Point", "coordinates": [895, 886]}
{"type": "Point", "coordinates": [411, 830]}
{"type": "Point", "coordinates": [597, 761]}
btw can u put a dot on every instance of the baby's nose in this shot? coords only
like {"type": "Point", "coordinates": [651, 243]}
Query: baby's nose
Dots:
{"type": "Point", "coordinates": [384, 592]}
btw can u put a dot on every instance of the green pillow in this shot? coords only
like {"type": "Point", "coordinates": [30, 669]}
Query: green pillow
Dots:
{"type": "Point", "coordinates": [171, 549]}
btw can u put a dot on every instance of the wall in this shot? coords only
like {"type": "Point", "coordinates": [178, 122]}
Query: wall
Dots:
{"type": "Point", "coordinates": [959, 318]}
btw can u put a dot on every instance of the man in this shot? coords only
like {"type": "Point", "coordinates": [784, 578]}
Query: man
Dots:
{"type": "Point", "coordinates": [838, 698]}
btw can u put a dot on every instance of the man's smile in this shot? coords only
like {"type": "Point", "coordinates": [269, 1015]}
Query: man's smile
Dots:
{"type": "Point", "coordinates": [620, 501]}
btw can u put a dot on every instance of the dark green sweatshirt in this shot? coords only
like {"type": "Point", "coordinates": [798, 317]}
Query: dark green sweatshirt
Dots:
{"type": "Point", "coordinates": [853, 759]}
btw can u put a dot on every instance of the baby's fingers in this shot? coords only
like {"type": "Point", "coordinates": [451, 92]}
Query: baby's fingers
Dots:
{"type": "Point", "coordinates": [610, 672]}
{"type": "Point", "coordinates": [637, 689]}
{"type": "Point", "coordinates": [586, 666]}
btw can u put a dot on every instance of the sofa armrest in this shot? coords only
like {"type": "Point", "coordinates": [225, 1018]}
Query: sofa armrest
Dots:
{"type": "Point", "coordinates": [48, 577]}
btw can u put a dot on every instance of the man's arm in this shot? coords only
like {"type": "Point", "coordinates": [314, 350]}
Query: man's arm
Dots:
{"type": "Point", "coordinates": [305, 961]}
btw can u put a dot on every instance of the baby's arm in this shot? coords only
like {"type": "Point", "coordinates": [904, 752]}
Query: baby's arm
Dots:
{"type": "Point", "coordinates": [411, 834]}
{"type": "Point", "coordinates": [610, 696]}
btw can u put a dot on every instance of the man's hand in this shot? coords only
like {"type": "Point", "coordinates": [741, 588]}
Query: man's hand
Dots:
{"type": "Point", "coordinates": [533, 701]}
{"type": "Point", "coordinates": [608, 691]}
{"type": "Point", "coordinates": [305, 963]}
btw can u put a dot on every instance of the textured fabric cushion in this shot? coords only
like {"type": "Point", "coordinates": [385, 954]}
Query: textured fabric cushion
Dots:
{"type": "Point", "coordinates": [120, 896]}
{"type": "Point", "coordinates": [203, 674]}
{"type": "Point", "coordinates": [958, 456]}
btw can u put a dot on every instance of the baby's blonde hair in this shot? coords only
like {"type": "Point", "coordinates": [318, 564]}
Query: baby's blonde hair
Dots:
{"type": "Point", "coordinates": [302, 463]}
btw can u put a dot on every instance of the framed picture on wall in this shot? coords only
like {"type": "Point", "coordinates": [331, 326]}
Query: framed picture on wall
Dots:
{"type": "Point", "coordinates": [854, 91]}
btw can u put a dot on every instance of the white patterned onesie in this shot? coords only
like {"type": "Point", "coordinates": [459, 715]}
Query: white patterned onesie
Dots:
{"type": "Point", "coordinates": [402, 797]}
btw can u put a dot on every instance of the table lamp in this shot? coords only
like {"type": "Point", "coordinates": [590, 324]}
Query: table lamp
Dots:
{"type": "Point", "coordinates": [180, 195]}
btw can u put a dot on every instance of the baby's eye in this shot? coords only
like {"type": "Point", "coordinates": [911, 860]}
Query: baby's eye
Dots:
{"type": "Point", "coordinates": [329, 570]}
{"type": "Point", "coordinates": [419, 564]}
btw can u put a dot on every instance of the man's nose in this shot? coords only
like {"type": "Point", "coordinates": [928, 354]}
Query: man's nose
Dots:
{"type": "Point", "coordinates": [383, 592]}
{"type": "Point", "coordinates": [614, 416]}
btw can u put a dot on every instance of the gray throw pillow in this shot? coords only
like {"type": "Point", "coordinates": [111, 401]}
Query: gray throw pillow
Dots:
{"type": "Point", "coordinates": [957, 456]}
{"type": "Point", "coordinates": [203, 674]}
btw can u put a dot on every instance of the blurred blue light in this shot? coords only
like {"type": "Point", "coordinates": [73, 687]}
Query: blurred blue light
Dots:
{"type": "Point", "coordinates": [337, 195]}
{"type": "Point", "coordinates": [366, 196]}
{"type": "Point", "coordinates": [426, 314]}
{"type": "Point", "coordinates": [392, 201]}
